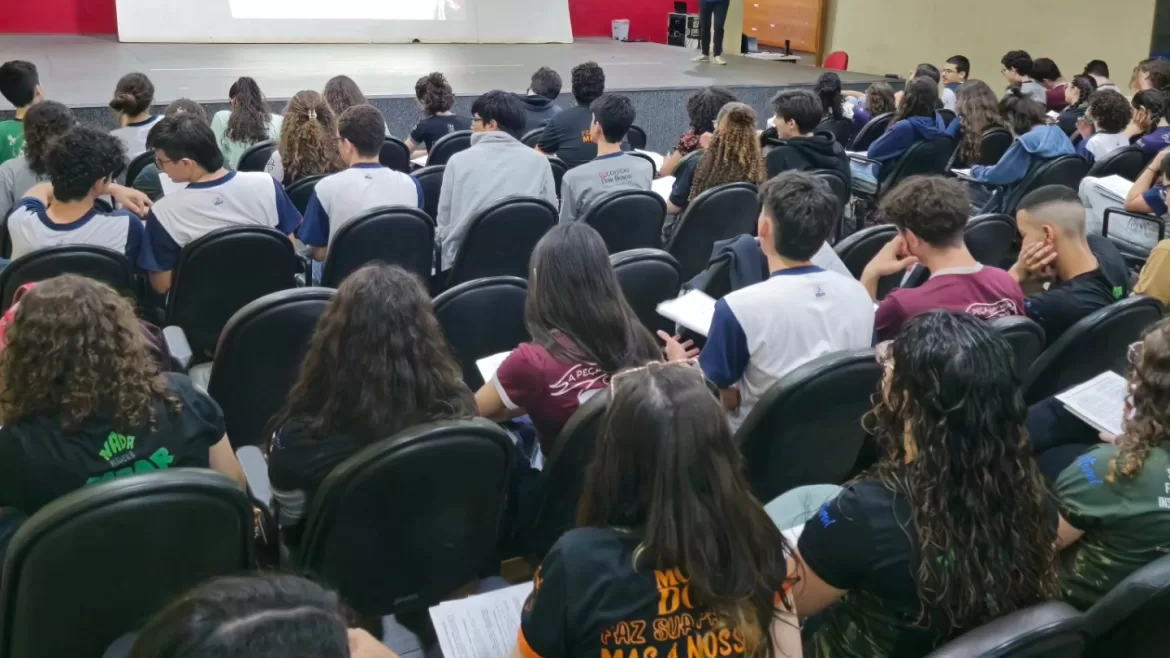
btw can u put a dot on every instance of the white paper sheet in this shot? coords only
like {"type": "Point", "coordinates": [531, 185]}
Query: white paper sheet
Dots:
{"type": "Point", "coordinates": [964, 173]}
{"type": "Point", "coordinates": [1115, 186]}
{"type": "Point", "coordinates": [656, 157]}
{"type": "Point", "coordinates": [662, 186]}
{"type": "Point", "coordinates": [693, 310]}
{"type": "Point", "coordinates": [1100, 402]}
{"type": "Point", "coordinates": [420, 160]}
{"type": "Point", "coordinates": [480, 626]}
{"type": "Point", "coordinates": [489, 364]}
{"type": "Point", "coordinates": [1053, 114]}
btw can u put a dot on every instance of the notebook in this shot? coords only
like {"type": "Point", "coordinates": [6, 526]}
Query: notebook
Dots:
{"type": "Point", "coordinates": [1115, 186]}
{"type": "Point", "coordinates": [1100, 402]}
{"type": "Point", "coordinates": [693, 310]}
{"type": "Point", "coordinates": [481, 626]}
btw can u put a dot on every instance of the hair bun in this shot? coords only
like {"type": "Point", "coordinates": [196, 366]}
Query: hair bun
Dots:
{"type": "Point", "coordinates": [124, 101]}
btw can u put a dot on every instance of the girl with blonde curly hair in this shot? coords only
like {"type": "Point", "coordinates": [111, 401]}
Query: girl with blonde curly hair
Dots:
{"type": "Point", "coordinates": [308, 140]}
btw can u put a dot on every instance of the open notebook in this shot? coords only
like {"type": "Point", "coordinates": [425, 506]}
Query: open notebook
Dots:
{"type": "Point", "coordinates": [693, 310]}
{"type": "Point", "coordinates": [1100, 402]}
{"type": "Point", "coordinates": [1115, 186]}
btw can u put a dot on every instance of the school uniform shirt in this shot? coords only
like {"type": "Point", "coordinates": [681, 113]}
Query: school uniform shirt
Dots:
{"type": "Point", "coordinates": [30, 228]}
{"type": "Point", "coordinates": [133, 136]}
{"type": "Point", "coordinates": [237, 199]}
{"type": "Point", "coordinates": [15, 179]}
{"type": "Point", "coordinates": [1054, 98]}
{"type": "Point", "coordinates": [1126, 522]}
{"type": "Point", "coordinates": [684, 179]}
{"type": "Point", "coordinates": [231, 149]}
{"type": "Point", "coordinates": [40, 462]}
{"type": "Point", "coordinates": [1036, 91]}
{"type": "Point", "coordinates": [1066, 302]}
{"type": "Point", "coordinates": [567, 135]}
{"type": "Point", "coordinates": [1101, 145]}
{"type": "Point", "coordinates": [985, 292]}
{"type": "Point", "coordinates": [342, 196]}
{"type": "Point", "coordinates": [590, 599]}
{"type": "Point", "coordinates": [601, 176]}
{"type": "Point", "coordinates": [1157, 141]}
{"type": "Point", "coordinates": [764, 331]}
{"type": "Point", "coordinates": [864, 542]}
{"type": "Point", "coordinates": [429, 130]}
{"type": "Point", "coordinates": [11, 139]}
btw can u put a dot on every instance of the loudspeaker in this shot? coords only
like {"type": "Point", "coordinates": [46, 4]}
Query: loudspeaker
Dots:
{"type": "Point", "coordinates": [676, 29]}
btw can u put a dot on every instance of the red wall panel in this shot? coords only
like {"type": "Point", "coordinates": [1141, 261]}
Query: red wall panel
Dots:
{"type": "Point", "coordinates": [60, 17]}
{"type": "Point", "coordinates": [594, 18]}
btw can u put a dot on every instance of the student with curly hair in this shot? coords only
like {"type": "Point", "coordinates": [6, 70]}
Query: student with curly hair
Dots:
{"type": "Point", "coordinates": [377, 364]}
{"type": "Point", "coordinates": [20, 85]}
{"type": "Point", "coordinates": [132, 100]}
{"type": "Point", "coordinates": [248, 122]}
{"type": "Point", "coordinates": [953, 527]}
{"type": "Point", "coordinates": [82, 399]}
{"type": "Point", "coordinates": [828, 90]}
{"type": "Point", "coordinates": [1076, 97]}
{"type": "Point", "coordinates": [436, 100]}
{"type": "Point", "coordinates": [567, 134]}
{"type": "Point", "coordinates": [878, 99]}
{"type": "Point", "coordinates": [308, 140]}
{"type": "Point", "coordinates": [43, 124]}
{"type": "Point", "coordinates": [702, 109]}
{"type": "Point", "coordinates": [734, 156]}
{"type": "Point", "coordinates": [976, 112]}
{"type": "Point", "coordinates": [1103, 128]}
{"type": "Point", "coordinates": [150, 179]}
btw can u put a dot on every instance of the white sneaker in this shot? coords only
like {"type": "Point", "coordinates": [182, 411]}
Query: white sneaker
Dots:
{"type": "Point", "coordinates": [720, 61]}
{"type": "Point", "coordinates": [699, 58]}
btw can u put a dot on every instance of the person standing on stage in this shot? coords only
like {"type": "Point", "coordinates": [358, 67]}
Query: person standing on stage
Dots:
{"type": "Point", "coordinates": [709, 9]}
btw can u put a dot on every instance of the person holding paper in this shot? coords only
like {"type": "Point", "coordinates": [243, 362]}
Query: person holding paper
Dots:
{"type": "Point", "coordinates": [671, 551]}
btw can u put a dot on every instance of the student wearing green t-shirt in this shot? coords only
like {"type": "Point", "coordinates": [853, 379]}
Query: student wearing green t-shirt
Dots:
{"type": "Point", "coordinates": [21, 86]}
{"type": "Point", "coordinates": [1115, 498]}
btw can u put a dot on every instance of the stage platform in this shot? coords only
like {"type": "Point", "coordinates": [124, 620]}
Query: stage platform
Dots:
{"type": "Point", "coordinates": [82, 71]}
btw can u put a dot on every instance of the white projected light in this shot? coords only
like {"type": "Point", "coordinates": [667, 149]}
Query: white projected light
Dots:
{"type": "Point", "coordinates": [392, 10]}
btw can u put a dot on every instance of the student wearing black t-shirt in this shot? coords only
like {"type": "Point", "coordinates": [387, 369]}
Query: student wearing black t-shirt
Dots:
{"type": "Point", "coordinates": [82, 400]}
{"type": "Point", "coordinates": [377, 364]}
{"type": "Point", "coordinates": [1086, 273]}
{"type": "Point", "coordinates": [672, 554]}
{"type": "Point", "coordinates": [436, 99]}
{"type": "Point", "coordinates": [953, 527]}
{"type": "Point", "coordinates": [567, 134]}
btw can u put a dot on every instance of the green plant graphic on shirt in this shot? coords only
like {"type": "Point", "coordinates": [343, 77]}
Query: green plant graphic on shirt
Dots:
{"type": "Point", "coordinates": [119, 449]}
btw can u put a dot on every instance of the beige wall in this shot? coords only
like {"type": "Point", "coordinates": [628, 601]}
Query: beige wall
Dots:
{"type": "Point", "coordinates": [893, 36]}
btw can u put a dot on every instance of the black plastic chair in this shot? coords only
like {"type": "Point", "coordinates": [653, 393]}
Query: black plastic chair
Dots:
{"type": "Point", "coordinates": [1126, 162]}
{"type": "Point", "coordinates": [947, 115]}
{"type": "Point", "coordinates": [532, 137]}
{"type": "Point", "coordinates": [1067, 170]}
{"type": "Point", "coordinates": [64, 592]}
{"type": "Point", "coordinates": [394, 155]}
{"type": "Point", "coordinates": [221, 273]}
{"type": "Point", "coordinates": [481, 318]}
{"type": "Point", "coordinates": [256, 156]}
{"type": "Point", "coordinates": [447, 146]}
{"type": "Point", "coordinates": [995, 142]}
{"type": "Point", "coordinates": [841, 129]}
{"type": "Point", "coordinates": [858, 249]}
{"type": "Point", "coordinates": [407, 521]}
{"type": "Point", "coordinates": [825, 398]}
{"type": "Point", "coordinates": [137, 164]}
{"type": "Point", "coordinates": [1135, 255]}
{"type": "Point", "coordinates": [840, 186]}
{"type": "Point", "coordinates": [98, 263]}
{"type": "Point", "coordinates": [648, 277]}
{"type": "Point", "coordinates": [647, 158]}
{"type": "Point", "coordinates": [719, 213]}
{"type": "Point", "coordinates": [876, 127]}
{"type": "Point", "coordinates": [924, 158]}
{"type": "Point", "coordinates": [1130, 620]}
{"type": "Point", "coordinates": [395, 235]}
{"type": "Point", "coordinates": [1047, 630]}
{"type": "Point", "coordinates": [559, 169]}
{"type": "Point", "coordinates": [500, 239]}
{"type": "Point", "coordinates": [259, 357]}
{"type": "Point", "coordinates": [1026, 338]}
{"type": "Point", "coordinates": [431, 180]}
{"type": "Point", "coordinates": [302, 190]}
{"type": "Point", "coordinates": [637, 137]}
{"type": "Point", "coordinates": [627, 219]}
{"type": "Point", "coordinates": [990, 238]}
{"type": "Point", "coordinates": [1094, 344]}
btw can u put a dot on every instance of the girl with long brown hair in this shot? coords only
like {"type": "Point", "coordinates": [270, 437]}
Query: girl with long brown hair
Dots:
{"type": "Point", "coordinates": [672, 551]}
{"type": "Point", "coordinates": [733, 156]}
{"type": "Point", "coordinates": [248, 122]}
{"type": "Point", "coordinates": [308, 140]}
{"type": "Point", "coordinates": [977, 111]}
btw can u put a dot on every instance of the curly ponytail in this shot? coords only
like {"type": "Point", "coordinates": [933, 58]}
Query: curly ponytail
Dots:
{"type": "Point", "coordinates": [308, 137]}
{"type": "Point", "coordinates": [249, 120]}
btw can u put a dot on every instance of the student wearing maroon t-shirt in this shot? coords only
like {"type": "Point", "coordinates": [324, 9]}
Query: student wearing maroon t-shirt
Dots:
{"type": "Point", "coordinates": [582, 332]}
{"type": "Point", "coordinates": [931, 214]}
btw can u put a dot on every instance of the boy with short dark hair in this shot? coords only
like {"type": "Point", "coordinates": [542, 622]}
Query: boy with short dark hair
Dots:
{"type": "Point", "coordinates": [612, 169]}
{"type": "Point", "coordinates": [20, 85]}
{"type": "Point", "coordinates": [567, 135]}
{"type": "Point", "coordinates": [793, 144]}
{"type": "Point", "coordinates": [1047, 73]}
{"type": "Point", "coordinates": [1099, 71]}
{"type": "Point", "coordinates": [956, 72]}
{"type": "Point", "coordinates": [1017, 70]}
{"type": "Point", "coordinates": [539, 102]}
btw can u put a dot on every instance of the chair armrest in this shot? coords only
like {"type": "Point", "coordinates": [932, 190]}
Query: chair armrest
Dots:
{"type": "Point", "coordinates": [178, 347]}
{"type": "Point", "coordinates": [1161, 223]}
{"type": "Point", "coordinates": [255, 467]}
{"type": "Point", "coordinates": [857, 157]}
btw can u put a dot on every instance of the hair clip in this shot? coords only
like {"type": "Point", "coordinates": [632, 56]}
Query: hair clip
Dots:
{"type": "Point", "coordinates": [313, 115]}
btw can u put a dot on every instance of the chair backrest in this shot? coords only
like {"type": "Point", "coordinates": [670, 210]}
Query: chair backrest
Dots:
{"type": "Point", "coordinates": [559, 169]}
{"type": "Point", "coordinates": [563, 476]}
{"type": "Point", "coordinates": [1025, 336]}
{"type": "Point", "coordinates": [256, 156]}
{"type": "Point", "coordinates": [924, 158]}
{"type": "Point", "coordinates": [394, 155]}
{"type": "Point", "coordinates": [990, 238]}
{"type": "Point", "coordinates": [858, 249]}
{"type": "Point", "coordinates": [1096, 343]}
{"type": "Point", "coordinates": [532, 137]}
{"type": "Point", "coordinates": [448, 145]}
{"type": "Point", "coordinates": [1130, 620]}
{"type": "Point", "coordinates": [408, 520]}
{"type": "Point", "coordinates": [825, 398]}
{"type": "Point", "coordinates": [259, 357]}
{"type": "Point", "coordinates": [874, 128]}
{"type": "Point", "coordinates": [1126, 162]}
{"type": "Point", "coordinates": [995, 142]}
{"type": "Point", "coordinates": [637, 137]}
{"type": "Point", "coordinates": [430, 178]}
{"type": "Point", "coordinates": [1067, 170]}
{"type": "Point", "coordinates": [302, 190]}
{"type": "Point", "coordinates": [220, 273]}
{"type": "Point", "coordinates": [481, 318]}
{"type": "Point", "coordinates": [840, 188]}
{"type": "Point", "coordinates": [837, 60]}
{"type": "Point", "coordinates": [64, 592]}
{"type": "Point", "coordinates": [648, 277]}
{"type": "Point", "coordinates": [717, 214]}
{"type": "Point", "coordinates": [500, 239]}
{"type": "Point", "coordinates": [947, 115]}
{"type": "Point", "coordinates": [628, 219]}
{"type": "Point", "coordinates": [1047, 630]}
{"type": "Point", "coordinates": [137, 164]}
{"type": "Point", "coordinates": [98, 263]}
{"type": "Point", "coordinates": [647, 158]}
{"type": "Point", "coordinates": [395, 235]}
{"type": "Point", "coordinates": [841, 129]}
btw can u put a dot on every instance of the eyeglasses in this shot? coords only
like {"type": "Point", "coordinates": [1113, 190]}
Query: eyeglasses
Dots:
{"type": "Point", "coordinates": [950, 71]}
{"type": "Point", "coordinates": [159, 162]}
{"type": "Point", "coordinates": [476, 119]}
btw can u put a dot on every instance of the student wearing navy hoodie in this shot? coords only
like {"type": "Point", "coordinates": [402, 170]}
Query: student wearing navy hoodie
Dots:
{"type": "Point", "coordinates": [914, 121]}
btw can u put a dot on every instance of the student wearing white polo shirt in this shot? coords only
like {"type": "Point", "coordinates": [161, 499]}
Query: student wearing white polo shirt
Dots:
{"type": "Point", "coordinates": [364, 186]}
{"type": "Point", "coordinates": [185, 150]}
{"type": "Point", "coordinates": [81, 165]}
{"type": "Point", "coordinates": [764, 331]}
